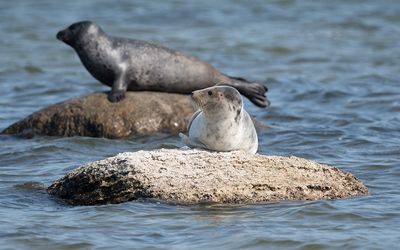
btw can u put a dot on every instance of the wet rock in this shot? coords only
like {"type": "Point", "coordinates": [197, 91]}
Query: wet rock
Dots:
{"type": "Point", "coordinates": [93, 115]}
{"type": "Point", "coordinates": [194, 176]}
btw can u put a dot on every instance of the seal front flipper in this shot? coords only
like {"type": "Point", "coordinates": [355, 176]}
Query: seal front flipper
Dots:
{"type": "Point", "coordinates": [119, 88]}
{"type": "Point", "coordinates": [116, 96]}
{"type": "Point", "coordinates": [184, 139]}
{"type": "Point", "coordinates": [197, 113]}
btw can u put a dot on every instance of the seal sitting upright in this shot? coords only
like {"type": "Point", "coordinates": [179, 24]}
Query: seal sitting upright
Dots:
{"type": "Point", "coordinates": [221, 124]}
{"type": "Point", "coordinates": [127, 64]}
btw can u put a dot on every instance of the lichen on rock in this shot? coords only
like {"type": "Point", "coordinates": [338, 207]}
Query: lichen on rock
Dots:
{"type": "Point", "coordinates": [195, 176]}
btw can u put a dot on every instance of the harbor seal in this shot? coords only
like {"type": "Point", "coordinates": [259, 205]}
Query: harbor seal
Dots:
{"type": "Point", "coordinates": [127, 64]}
{"type": "Point", "coordinates": [221, 124]}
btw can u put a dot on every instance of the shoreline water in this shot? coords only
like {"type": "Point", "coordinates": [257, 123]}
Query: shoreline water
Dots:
{"type": "Point", "coordinates": [332, 72]}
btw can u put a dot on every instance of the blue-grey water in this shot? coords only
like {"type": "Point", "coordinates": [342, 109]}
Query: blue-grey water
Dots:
{"type": "Point", "coordinates": [333, 70]}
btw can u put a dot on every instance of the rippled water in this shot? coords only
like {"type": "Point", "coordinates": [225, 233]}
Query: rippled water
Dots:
{"type": "Point", "coordinates": [333, 72]}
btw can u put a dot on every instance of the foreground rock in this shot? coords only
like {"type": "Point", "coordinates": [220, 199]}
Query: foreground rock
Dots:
{"type": "Point", "coordinates": [94, 115]}
{"type": "Point", "coordinates": [195, 176]}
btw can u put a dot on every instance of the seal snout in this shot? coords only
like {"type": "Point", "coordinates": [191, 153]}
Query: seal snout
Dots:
{"type": "Point", "coordinates": [196, 99]}
{"type": "Point", "coordinates": [63, 35]}
{"type": "Point", "coordinates": [60, 35]}
{"type": "Point", "coordinates": [194, 95]}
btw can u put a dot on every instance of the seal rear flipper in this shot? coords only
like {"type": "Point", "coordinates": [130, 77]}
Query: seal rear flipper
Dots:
{"type": "Point", "coordinates": [254, 91]}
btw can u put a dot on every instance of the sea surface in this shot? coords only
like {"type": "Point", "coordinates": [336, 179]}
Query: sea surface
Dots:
{"type": "Point", "coordinates": [333, 72]}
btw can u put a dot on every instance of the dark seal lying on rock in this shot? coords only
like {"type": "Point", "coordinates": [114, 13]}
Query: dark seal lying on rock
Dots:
{"type": "Point", "coordinates": [128, 64]}
{"type": "Point", "coordinates": [93, 115]}
{"type": "Point", "coordinates": [193, 176]}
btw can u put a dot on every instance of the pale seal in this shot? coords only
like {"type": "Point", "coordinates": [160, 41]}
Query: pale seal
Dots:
{"type": "Point", "coordinates": [127, 64]}
{"type": "Point", "coordinates": [221, 124]}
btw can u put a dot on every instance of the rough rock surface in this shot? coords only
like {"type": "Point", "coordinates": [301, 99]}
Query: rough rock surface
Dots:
{"type": "Point", "coordinates": [194, 176]}
{"type": "Point", "coordinates": [93, 115]}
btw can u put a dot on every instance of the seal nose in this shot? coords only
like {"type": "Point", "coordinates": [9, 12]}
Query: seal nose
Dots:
{"type": "Point", "coordinates": [61, 35]}
{"type": "Point", "coordinates": [191, 94]}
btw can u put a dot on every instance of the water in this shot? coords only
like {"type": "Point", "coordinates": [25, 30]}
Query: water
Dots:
{"type": "Point", "coordinates": [333, 72]}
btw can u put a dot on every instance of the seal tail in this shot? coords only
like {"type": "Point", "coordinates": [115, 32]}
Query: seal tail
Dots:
{"type": "Point", "coordinates": [254, 91]}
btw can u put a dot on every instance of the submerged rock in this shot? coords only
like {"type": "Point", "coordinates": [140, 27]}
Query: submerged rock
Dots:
{"type": "Point", "coordinates": [194, 176]}
{"type": "Point", "coordinates": [93, 115]}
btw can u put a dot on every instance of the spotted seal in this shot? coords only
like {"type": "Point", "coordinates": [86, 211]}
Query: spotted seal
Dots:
{"type": "Point", "coordinates": [127, 64]}
{"type": "Point", "coordinates": [221, 124]}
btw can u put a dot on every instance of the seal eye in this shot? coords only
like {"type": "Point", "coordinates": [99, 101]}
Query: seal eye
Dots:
{"type": "Point", "coordinates": [210, 92]}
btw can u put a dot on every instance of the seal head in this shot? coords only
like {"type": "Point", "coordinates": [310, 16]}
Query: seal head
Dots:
{"type": "Point", "coordinates": [221, 124]}
{"type": "Point", "coordinates": [222, 101]}
{"type": "Point", "coordinates": [75, 32]}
